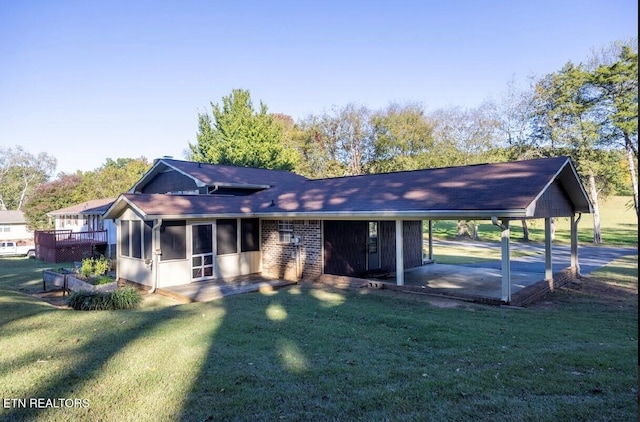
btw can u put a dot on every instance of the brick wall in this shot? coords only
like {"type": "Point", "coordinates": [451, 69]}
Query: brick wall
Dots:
{"type": "Point", "coordinates": [291, 262]}
{"type": "Point", "coordinates": [534, 292]}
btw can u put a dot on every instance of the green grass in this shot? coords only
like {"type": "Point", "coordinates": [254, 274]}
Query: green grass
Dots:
{"type": "Point", "coordinates": [312, 353]}
{"type": "Point", "coordinates": [619, 226]}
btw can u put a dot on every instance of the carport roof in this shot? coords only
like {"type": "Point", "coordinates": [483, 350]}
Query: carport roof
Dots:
{"type": "Point", "coordinates": [507, 190]}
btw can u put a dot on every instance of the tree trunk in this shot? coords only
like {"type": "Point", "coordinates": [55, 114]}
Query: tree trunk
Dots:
{"type": "Point", "coordinates": [525, 230]}
{"type": "Point", "coordinates": [462, 229]}
{"type": "Point", "coordinates": [597, 239]}
{"type": "Point", "coordinates": [475, 226]}
{"type": "Point", "coordinates": [634, 176]}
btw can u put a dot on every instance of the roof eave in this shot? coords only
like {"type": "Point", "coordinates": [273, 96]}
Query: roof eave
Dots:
{"type": "Point", "coordinates": [355, 215]}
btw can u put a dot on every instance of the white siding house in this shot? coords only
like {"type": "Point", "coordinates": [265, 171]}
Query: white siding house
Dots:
{"type": "Point", "coordinates": [13, 226]}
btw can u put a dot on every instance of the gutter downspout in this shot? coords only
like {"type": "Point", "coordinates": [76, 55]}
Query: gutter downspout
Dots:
{"type": "Point", "coordinates": [156, 255]}
{"type": "Point", "coordinates": [118, 234]}
{"type": "Point", "coordinates": [506, 264]}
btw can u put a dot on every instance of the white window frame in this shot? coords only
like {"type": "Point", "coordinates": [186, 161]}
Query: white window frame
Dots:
{"type": "Point", "coordinates": [285, 231]}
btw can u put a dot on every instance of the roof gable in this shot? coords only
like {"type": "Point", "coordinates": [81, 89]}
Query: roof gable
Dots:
{"type": "Point", "coordinates": [214, 175]}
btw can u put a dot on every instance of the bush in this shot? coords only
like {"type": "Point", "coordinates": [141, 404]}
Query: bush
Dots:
{"type": "Point", "coordinates": [101, 265]}
{"type": "Point", "coordinates": [85, 300]}
{"type": "Point", "coordinates": [121, 298]}
{"type": "Point", "coordinates": [95, 267]}
{"type": "Point", "coordinates": [86, 269]}
{"type": "Point", "coordinates": [125, 298]}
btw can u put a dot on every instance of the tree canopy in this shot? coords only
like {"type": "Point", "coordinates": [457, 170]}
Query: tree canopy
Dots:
{"type": "Point", "coordinates": [113, 178]}
{"type": "Point", "coordinates": [237, 134]}
{"type": "Point", "coordinates": [20, 173]}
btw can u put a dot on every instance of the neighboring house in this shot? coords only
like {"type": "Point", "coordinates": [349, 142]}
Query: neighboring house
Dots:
{"type": "Point", "coordinates": [185, 222]}
{"type": "Point", "coordinates": [13, 226]}
{"type": "Point", "coordinates": [87, 217]}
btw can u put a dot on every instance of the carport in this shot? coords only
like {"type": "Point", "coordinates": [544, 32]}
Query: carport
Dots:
{"type": "Point", "coordinates": [500, 193]}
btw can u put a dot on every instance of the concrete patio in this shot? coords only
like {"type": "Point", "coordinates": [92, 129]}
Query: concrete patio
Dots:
{"type": "Point", "coordinates": [473, 282]}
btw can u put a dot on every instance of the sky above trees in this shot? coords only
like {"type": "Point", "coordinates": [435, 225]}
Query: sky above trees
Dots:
{"type": "Point", "coordinates": [87, 81]}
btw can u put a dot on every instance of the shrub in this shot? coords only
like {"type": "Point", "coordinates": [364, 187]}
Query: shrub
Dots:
{"type": "Point", "coordinates": [121, 298]}
{"type": "Point", "coordinates": [100, 265]}
{"type": "Point", "coordinates": [95, 267]}
{"type": "Point", "coordinates": [85, 300]}
{"type": "Point", "coordinates": [125, 298]}
{"type": "Point", "coordinates": [86, 269]}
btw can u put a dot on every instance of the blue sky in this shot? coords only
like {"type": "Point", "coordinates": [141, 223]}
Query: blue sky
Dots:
{"type": "Point", "coordinates": [89, 80]}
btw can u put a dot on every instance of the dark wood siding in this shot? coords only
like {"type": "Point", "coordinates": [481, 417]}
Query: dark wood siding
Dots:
{"type": "Point", "coordinates": [412, 232]}
{"type": "Point", "coordinates": [554, 202]}
{"type": "Point", "coordinates": [169, 181]}
{"type": "Point", "coordinates": [345, 247]}
{"type": "Point", "coordinates": [388, 245]}
{"type": "Point", "coordinates": [412, 236]}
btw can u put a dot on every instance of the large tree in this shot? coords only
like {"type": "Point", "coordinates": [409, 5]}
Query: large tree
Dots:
{"type": "Point", "coordinates": [51, 196]}
{"type": "Point", "coordinates": [402, 139]}
{"type": "Point", "coordinates": [569, 121]}
{"type": "Point", "coordinates": [616, 82]}
{"type": "Point", "coordinates": [20, 173]}
{"type": "Point", "coordinates": [465, 136]}
{"type": "Point", "coordinates": [336, 143]}
{"type": "Point", "coordinates": [317, 146]}
{"type": "Point", "coordinates": [111, 179]}
{"type": "Point", "coordinates": [237, 134]}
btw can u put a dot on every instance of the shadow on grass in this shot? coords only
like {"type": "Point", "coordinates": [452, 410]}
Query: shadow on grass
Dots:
{"type": "Point", "coordinates": [273, 359]}
{"type": "Point", "coordinates": [299, 353]}
{"type": "Point", "coordinates": [88, 359]}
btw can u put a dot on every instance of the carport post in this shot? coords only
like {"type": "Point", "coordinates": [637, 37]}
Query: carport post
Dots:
{"type": "Point", "coordinates": [575, 263]}
{"type": "Point", "coordinates": [548, 270]}
{"type": "Point", "coordinates": [506, 257]}
{"type": "Point", "coordinates": [430, 240]}
{"type": "Point", "coordinates": [506, 261]}
{"type": "Point", "coordinates": [399, 254]}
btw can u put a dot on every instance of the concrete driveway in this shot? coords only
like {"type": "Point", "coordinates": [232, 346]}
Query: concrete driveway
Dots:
{"type": "Point", "coordinates": [590, 257]}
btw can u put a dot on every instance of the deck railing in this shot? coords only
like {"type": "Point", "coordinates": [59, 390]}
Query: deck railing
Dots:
{"type": "Point", "coordinates": [61, 238]}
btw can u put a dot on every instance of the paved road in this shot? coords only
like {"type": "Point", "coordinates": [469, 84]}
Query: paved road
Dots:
{"type": "Point", "coordinates": [590, 257]}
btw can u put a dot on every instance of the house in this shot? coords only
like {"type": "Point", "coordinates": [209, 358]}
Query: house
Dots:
{"type": "Point", "coordinates": [13, 226]}
{"type": "Point", "coordinates": [79, 231]}
{"type": "Point", "coordinates": [185, 222]}
{"type": "Point", "coordinates": [15, 236]}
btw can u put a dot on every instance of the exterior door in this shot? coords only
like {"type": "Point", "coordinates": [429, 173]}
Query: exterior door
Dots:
{"type": "Point", "coordinates": [373, 250]}
{"type": "Point", "coordinates": [202, 253]}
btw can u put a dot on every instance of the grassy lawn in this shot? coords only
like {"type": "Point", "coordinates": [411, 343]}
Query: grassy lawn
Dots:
{"type": "Point", "coordinates": [618, 224]}
{"type": "Point", "coordinates": [312, 353]}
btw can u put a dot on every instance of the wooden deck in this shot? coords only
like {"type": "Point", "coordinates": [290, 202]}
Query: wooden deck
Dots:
{"type": "Point", "coordinates": [66, 246]}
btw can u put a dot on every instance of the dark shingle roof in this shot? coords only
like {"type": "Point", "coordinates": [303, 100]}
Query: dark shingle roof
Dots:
{"type": "Point", "coordinates": [502, 189]}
